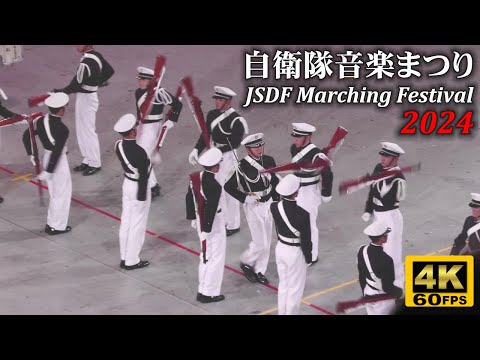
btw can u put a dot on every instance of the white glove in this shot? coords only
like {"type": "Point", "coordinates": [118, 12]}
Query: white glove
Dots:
{"type": "Point", "coordinates": [193, 157]}
{"type": "Point", "coordinates": [193, 224]}
{"type": "Point", "coordinates": [366, 216]}
{"type": "Point", "coordinates": [156, 158]}
{"type": "Point", "coordinates": [32, 160]}
{"type": "Point", "coordinates": [250, 199]}
{"type": "Point", "coordinates": [23, 122]}
{"type": "Point", "coordinates": [326, 199]}
{"type": "Point", "coordinates": [204, 235]}
{"type": "Point", "coordinates": [44, 176]}
{"type": "Point", "coordinates": [169, 124]}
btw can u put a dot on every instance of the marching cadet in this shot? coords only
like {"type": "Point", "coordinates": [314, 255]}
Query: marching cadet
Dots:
{"type": "Point", "coordinates": [294, 247]}
{"type": "Point", "coordinates": [469, 223]}
{"type": "Point", "coordinates": [53, 134]}
{"type": "Point", "coordinates": [255, 190]}
{"type": "Point", "coordinates": [376, 271]}
{"type": "Point", "coordinates": [151, 126]}
{"type": "Point", "coordinates": [212, 234]}
{"type": "Point", "coordinates": [5, 113]}
{"type": "Point", "coordinates": [383, 202]}
{"type": "Point", "coordinates": [311, 195]}
{"type": "Point", "coordinates": [136, 198]}
{"type": "Point", "coordinates": [93, 72]}
{"type": "Point", "coordinates": [226, 129]}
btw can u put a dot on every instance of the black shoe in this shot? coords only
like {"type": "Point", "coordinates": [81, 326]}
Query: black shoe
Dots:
{"type": "Point", "coordinates": [122, 264]}
{"type": "Point", "coordinates": [209, 299]}
{"type": "Point", "coordinates": [91, 170]}
{"type": "Point", "coordinates": [155, 191]}
{"type": "Point", "coordinates": [82, 167]}
{"type": "Point", "coordinates": [248, 272]}
{"type": "Point", "coordinates": [51, 231]}
{"type": "Point", "coordinates": [139, 265]}
{"type": "Point", "coordinates": [262, 279]}
{"type": "Point", "coordinates": [1, 199]}
{"type": "Point", "coordinates": [233, 231]}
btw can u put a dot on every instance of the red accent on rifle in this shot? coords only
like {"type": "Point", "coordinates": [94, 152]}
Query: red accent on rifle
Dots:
{"type": "Point", "coordinates": [145, 108]}
{"type": "Point", "coordinates": [194, 103]}
{"type": "Point", "coordinates": [35, 155]}
{"type": "Point", "coordinates": [366, 180]}
{"type": "Point", "coordinates": [338, 136]}
{"type": "Point", "coordinates": [37, 100]}
{"type": "Point", "coordinates": [348, 306]}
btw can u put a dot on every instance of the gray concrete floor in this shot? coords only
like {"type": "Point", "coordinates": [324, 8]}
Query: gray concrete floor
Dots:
{"type": "Point", "coordinates": [78, 273]}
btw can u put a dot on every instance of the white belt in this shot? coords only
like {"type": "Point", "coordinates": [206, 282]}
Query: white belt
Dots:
{"type": "Point", "coordinates": [289, 240]}
{"type": "Point", "coordinates": [89, 88]}
{"type": "Point", "coordinates": [218, 144]}
{"type": "Point", "coordinates": [132, 176]}
{"type": "Point", "coordinates": [262, 193]}
{"type": "Point", "coordinates": [309, 179]}
{"type": "Point", "coordinates": [154, 117]}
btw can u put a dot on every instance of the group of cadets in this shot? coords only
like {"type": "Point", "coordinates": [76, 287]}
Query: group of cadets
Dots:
{"type": "Point", "coordinates": [290, 204]}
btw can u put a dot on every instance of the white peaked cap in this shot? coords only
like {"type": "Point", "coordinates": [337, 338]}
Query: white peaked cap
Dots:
{"type": "Point", "coordinates": [376, 228]}
{"type": "Point", "coordinates": [126, 123]}
{"type": "Point", "coordinates": [302, 129]}
{"type": "Point", "coordinates": [475, 203]}
{"type": "Point", "coordinates": [288, 185]}
{"type": "Point", "coordinates": [57, 100]}
{"type": "Point", "coordinates": [254, 140]}
{"type": "Point", "coordinates": [391, 149]}
{"type": "Point", "coordinates": [144, 73]}
{"type": "Point", "coordinates": [211, 157]}
{"type": "Point", "coordinates": [222, 92]}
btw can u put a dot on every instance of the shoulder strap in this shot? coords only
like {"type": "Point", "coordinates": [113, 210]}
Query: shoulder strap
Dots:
{"type": "Point", "coordinates": [376, 284]}
{"type": "Point", "coordinates": [281, 210]}
{"type": "Point", "coordinates": [125, 160]}
{"type": "Point", "coordinates": [303, 152]}
{"type": "Point", "coordinates": [46, 125]}
{"type": "Point", "coordinates": [94, 57]}
{"type": "Point", "coordinates": [257, 166]}
{"type": "Point", "coordinates": [221, 117]}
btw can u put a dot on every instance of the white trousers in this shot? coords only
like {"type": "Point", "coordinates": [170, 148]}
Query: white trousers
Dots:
{"type": "Point", "coordinates": [232, 205]}
{"type": "Point", "coordinates": [133, 222]}
{"type": "Point", "coordinates": [86, 107]}
{"type": "Point", "coordinates": [260, 222]}
{"type": "Point", "coordinates": [292, 273]}
{"type": "Point", "coordinates": [210, 274]}
{"type": "Point", "coordinates": [386, 307]}
{"type": "Point", "coordinates": [309, 198]}
{"type": "Point", "coordinates": [60, 191]}
{"type": "Point", "coordinates": [393, 246]}
{"type": "Point", "coordinates": [147, 138]}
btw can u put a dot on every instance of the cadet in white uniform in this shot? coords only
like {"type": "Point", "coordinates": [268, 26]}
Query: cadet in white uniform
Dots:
{"type": "Point", "coordinates": [383, 202]}
{"type": "Point", "coordinates": [226, 129]}
{"type": "Point", "coordinates": [210, 226]}
{"type": "Point", "coordinates": [53, 134]}
{"type": "Point", "coordinates": [92, 72]}
{"type": "Point", "coordinates": [376, 272]}
{"type": "Point", "coordinates": [470, 221]}
{"type": "Point", "coordinates": [255, 190]}
{"type": "Point", "coordinates": [311, 194]}
{"type": "Point", "coordinates": [294, 247]}
{"type": "Point", "coordinates": [136, 198]}
{"type": "Point", "coordinates": [149, 130]}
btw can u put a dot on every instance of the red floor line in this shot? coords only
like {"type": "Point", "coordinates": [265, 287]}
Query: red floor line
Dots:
{"type": "Point", "coordinates": [80, 202]}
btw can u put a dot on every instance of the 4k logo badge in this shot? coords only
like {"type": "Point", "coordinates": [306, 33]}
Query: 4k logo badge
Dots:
{"type": "Point", "coordinates": [439, 281]}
